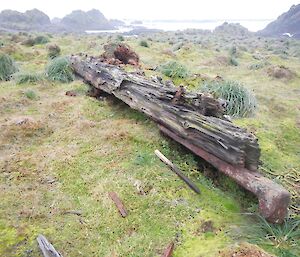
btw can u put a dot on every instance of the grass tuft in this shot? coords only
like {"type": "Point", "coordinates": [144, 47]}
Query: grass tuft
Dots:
{"type": "Point", "coordinates": [144, 43]}
{"type": "Point", "coordinates": [7, 67]}
{"type": "Point", "coordinates": [281, 238]}
{"type": "Point", "coordinates": [30, 94]}
{"type": "Point", "coordinates": [240, 101]}
{"type": "Point", "coordinates": [41, 40]}
{"type": "Point", "coordinates": [53, 51]}
{"type": "Point", "coordinates": [174, 69]}
{"type": "Point", "coordinates": [59, 69]}
{"type": "Point", "coordinates": [23, 78]}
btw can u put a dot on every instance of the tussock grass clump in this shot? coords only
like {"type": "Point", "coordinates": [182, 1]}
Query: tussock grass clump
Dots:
{"type": "Point", "coordinates": [174, 69]}
{"type": "Point", "coordinates": [144, 43]}
{"type": "Point", "coordinates": [30, 94]}
{"type": "Point", "coordinates": [53, 51]}
{"type": "Point", "coordinates": [26, 77]}
{"type": "Point", "coordinates": [240, 101]}
{"type": "Point", "coordinates": [59, 69]}
{"type": "Point", "coordinates": [41, 40]}
{"type": "Point", "coordinates": [233, 61]}
{"type": "Point", "coordinates": [7, 67]}
{"type": "Point", "coordinates": [283, 238]}
{"type": "Point", "coordinates": [28, 42]}
{"type": "Point", "coordinates": [120, 38]}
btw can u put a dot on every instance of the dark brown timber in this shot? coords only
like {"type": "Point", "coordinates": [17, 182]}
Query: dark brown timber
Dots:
{"type": "Point", "coordinates": [178, 172]}
{"type": "Point", "coordinates": [196, 121]}
{"type": "Point", "coordinates": [118, 204]}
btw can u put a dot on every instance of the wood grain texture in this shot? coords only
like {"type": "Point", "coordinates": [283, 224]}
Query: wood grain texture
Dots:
{"type": "Point", "coordinates": [197, 118]}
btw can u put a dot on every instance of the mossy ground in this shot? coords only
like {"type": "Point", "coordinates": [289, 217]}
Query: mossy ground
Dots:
{"type": "Point", "coordinates": [77, 149]}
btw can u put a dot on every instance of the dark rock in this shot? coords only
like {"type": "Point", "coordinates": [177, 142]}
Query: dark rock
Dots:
{"type": "Point", "coordinates": [287, 24]}
{"type": "Point", "coordinates": [82, 21]}
{"type": "Point", "coordinates": [30, 20]}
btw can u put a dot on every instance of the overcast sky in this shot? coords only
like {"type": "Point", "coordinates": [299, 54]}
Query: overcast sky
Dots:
{"type": "Point", "coordinates": [160, 9]}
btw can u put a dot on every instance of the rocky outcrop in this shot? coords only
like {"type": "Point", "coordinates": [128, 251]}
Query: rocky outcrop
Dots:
{"type": "Point", "coordinates": [287, 24]}
{"type": "Point", "coordinates": [80, 21]}
{"type": "Point", "coordinates": [35, 20]}
{"type": "Point", "coordinates": [30, 20]}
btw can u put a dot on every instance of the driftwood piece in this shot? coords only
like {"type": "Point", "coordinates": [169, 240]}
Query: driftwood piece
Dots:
{"type": "Point", "coordinates": [118, 204]}
{"type": "Point", "coordinates": [169, 250]}
{"type": "Point", "coordinates": [195, 117]}
{"type": "Point", "coordinates": [273, 199]}
{"type": "Point", "coordinates": [196, 121]}
{"type": "Point", "coordinates": [47, 248]}
{"type": "Point", "coordinates": [178, 172]}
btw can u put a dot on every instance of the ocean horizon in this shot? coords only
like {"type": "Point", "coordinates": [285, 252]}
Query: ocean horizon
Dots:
{"type": "Point", "coordinates": [174, 25]}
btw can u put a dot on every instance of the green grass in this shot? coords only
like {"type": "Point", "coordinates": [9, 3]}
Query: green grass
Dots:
{"type": "Point", "coordinates": [53, 51]}
{"type": "Point", "coordinates": [240, 101]}
{"type": "Point", "coordinates": [60, 70]}
{"type": "Point", "coordinates": [144, 43]}
{"type": "Point", "coordinates": [7, 67]}
{"type": "Point", "coordinates": [174, 70]}
{"type": "Point", "coordinates": [31, 94]}
{"type": "Point", "coordinates": [29, 78]}
{"type": "Point", "coordinates": [281, 239]}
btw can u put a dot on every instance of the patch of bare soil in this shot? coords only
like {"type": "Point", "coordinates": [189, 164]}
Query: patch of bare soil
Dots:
{"type": "Point", "coordinates": [281, 72]}
{"type": "Point", "coordinates": [245, 250]}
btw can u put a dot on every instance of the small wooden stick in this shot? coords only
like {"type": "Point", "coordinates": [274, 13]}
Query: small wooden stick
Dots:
{"type": "Point", "coordinates": [118, 203]}
{"type": "Point", "coordinates": [165, 160]}
{"type": "Point", "coordinates": [47, 249]}
{"type": "Point", "coordinates": [169, 250]}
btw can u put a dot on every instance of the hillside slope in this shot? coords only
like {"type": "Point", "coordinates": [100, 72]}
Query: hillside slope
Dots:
{"type": "Point", "coordinates": [288, 22]}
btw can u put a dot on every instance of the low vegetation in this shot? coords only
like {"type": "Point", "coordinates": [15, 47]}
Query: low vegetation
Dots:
{"type": "Point", "coordinates": [144, 43]}
{"type": "Point", "coordinates": [53, 51]}
{"type": "Point", "coordinates": [174, 70]}
{"type": "Point", "coordinates": [38, 40]}
{"type": "Point", "coordinates": [59, 69]}
{"type": "Point", "coordinates": [27, 77]}
{"type": "Point", "coordinates": [7, 67]}
{"type": "Point", "coordinates": [240, 101]}
{"type": "Point", "coordinates": [284, 237]}
{"type": "Point", "coordinates": [31, 94]}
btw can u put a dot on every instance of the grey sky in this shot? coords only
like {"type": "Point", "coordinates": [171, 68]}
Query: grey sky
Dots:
{"type": "Point", "coordinates": [160, 9]}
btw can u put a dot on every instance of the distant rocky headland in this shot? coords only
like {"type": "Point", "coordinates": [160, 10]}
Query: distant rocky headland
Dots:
{"type": "Point", "coordinates": [36, 20]}
{"type": "Point", "coordinates": [287, 24]}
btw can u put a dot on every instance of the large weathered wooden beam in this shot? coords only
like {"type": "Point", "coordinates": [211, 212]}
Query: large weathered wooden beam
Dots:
{"type": "Point", "coordinates": [196, 121]}
{"type": "Point", "coordinates": [195, 117]}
